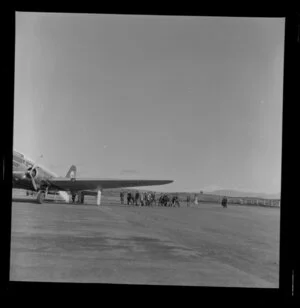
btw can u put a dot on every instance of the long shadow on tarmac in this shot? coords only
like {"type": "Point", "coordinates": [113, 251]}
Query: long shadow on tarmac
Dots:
{"type": "Point", "coordinates": [29, 200]}
{"type": "Point", "coordinates": [34, 201]}
{"type": "Point", "coordinates": [24, 200]}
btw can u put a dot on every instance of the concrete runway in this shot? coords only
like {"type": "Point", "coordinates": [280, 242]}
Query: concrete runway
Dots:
{"type": "Point", "coordinates": [204, 245]}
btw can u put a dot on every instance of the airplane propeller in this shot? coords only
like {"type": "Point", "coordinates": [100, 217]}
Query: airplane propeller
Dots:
{"type": "Point", "coordinates": [31, 171]}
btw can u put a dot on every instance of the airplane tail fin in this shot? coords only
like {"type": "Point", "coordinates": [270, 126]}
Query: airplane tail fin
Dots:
{"type": "Point", "coordinates": [72, 172]}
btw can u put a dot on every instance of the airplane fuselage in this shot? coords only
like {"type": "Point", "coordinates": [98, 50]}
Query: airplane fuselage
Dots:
{"type": "Point", "coordinates": [30, 176]}
{"type": "Point", "coordinates": [21, 178]}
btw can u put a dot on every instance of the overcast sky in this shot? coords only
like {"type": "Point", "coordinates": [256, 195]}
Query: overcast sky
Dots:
{"type": "Point", "coordinates": [193, 99]}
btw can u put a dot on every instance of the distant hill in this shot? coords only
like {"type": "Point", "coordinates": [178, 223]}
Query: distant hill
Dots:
{"type": "Point", "coordinates": [243, 194]}
{"type": "Point", "coordinates": [219, 192]}
{"type": "Point", "coordinates": [113, 195]}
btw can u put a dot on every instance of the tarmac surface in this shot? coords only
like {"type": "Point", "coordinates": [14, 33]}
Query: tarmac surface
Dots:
{"type": "Point", "coordinates": [203, 245]}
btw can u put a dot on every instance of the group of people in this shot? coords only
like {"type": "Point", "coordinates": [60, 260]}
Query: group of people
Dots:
{"type": "Point", "coordinates": [167, 200]}
{"type": "Point", "coordinates": [149, 199]}
{"type": "Point", "coordinates": [138, 198]}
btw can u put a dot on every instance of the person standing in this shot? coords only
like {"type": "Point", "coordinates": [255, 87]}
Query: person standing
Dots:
{"type": "Point", "coordinates": [196, 200]}
{"type": "Point", "coordinates": [224, 202]}
{"type": "Point", "coordinates": [132, 198]}
{"type": "Point", "coordinates": [146, 199]}
{"type": "Point", "coordinates": [122, 197]}
{"type": "Point", "coordinates": [188, 200]}
{"type": "Point", "coordinates": [128, 198]}
{"type": "Point", "coordinates": [177, 200]}
{"type": "Point", "coordinates": [173, 200]}
{"type": "Point", "coordinates": [153, 198]}
{"type": "Point", "coordinates": [137, 197]}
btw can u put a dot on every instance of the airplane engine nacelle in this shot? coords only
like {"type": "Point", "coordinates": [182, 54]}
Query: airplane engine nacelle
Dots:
{"type": "Point", "coordinates": [34, 173]}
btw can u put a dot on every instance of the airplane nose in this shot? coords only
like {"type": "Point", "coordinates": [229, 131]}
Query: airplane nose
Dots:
{"type": "Point", "coordinates": [19, 175]}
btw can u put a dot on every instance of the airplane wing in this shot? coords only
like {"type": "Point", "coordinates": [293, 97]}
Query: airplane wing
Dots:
{"type": "Point", "coordinates": [80, 184]}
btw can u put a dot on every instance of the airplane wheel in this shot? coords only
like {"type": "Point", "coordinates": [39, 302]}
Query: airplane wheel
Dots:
{"type": "Point", "coordinates": [41, 197]}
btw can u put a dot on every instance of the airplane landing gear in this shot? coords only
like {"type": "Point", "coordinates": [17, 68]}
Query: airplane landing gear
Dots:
{"type": "Point", "coordinates": [41, 196]}
{"type": "Point", "coordinates": [80, 198]}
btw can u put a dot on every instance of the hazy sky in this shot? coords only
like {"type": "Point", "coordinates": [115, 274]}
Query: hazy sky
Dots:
{"type": "Point", "coordinates": [194, 99]}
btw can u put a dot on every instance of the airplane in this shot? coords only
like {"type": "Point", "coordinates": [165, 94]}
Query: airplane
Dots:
{"type": "Point", "coordinates": [31, 176]}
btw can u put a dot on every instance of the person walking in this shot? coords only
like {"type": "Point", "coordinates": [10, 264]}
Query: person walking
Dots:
{"type": "Point", "coordinates": [224, 202]}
